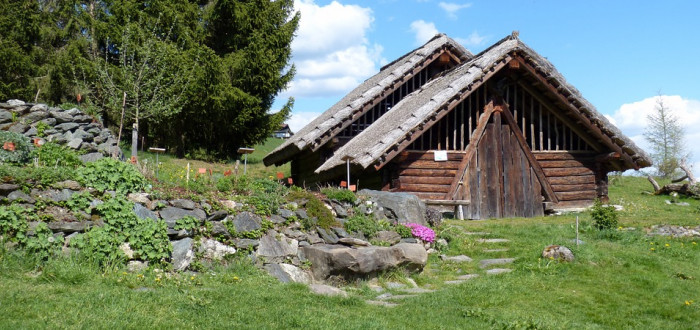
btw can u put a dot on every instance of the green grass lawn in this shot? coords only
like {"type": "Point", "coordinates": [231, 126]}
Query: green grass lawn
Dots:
{"type": "Point", "coordinates": [620, 279]}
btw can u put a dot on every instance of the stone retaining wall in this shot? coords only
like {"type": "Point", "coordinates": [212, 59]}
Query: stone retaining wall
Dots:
{"type": "Point", "coordinates": [71, 128]}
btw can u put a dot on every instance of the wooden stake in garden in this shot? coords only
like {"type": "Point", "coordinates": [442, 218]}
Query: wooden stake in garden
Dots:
{"type": "Point", "coordinates": [577, 241]}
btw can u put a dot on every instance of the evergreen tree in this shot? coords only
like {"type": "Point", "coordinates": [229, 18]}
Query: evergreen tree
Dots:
{"type": "Point", "coordinates": [666, 138]}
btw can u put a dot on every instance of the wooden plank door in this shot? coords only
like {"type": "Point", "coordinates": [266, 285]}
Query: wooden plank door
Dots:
{"type": "Point", "coordinates": [501, 179]}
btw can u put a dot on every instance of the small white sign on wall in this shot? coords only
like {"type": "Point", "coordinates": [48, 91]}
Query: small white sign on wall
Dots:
{"type": "Point", "coordinates": [440, 155]}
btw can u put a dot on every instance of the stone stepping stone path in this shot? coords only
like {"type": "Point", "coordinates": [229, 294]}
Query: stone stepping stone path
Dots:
{"type": "Point", "coordinates": [495, 250]}
{"type": "Point", "coordinates": [480, 233]}
{"type": "Point", "coordinates": [391, 296]}
{"type": "Point", "coordinates": [463, 278]}
{"type": "Point", "coordinates": [493, 240]}
{"type": "Point", "coordinates": [459, 258]}
{"type": "Point", "coordinates": [416, 290]}
{"type": "Point", "coordinates": [496, 271]}
{"type": "Point", "coordinates": [381, 303]}
{"type": "Point", "coordinates": [486, 263]}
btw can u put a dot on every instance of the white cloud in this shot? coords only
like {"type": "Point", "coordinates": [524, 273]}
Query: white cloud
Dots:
{"type": "Point", "coordinates": [631, 118]}
{"type": "Point", "coordinates": [452, 8]}
{"type": "Point", "coordinates": [423, 31]}
{"type": "Point", "coordinates": [331, 51]}
{"type": "Point", "coordinates": [298, 120]}
{"type": "Point", "coordinates": [473, 40]}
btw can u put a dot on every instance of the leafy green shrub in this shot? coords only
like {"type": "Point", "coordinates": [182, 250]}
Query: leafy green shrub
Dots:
{"type": "Point", "coordinates": [316, 208]}
{"type": "Point", "coordinates": [225, 184]}
{"type": "Point", "coordinates": [13, 223]}
{"type": "Point", "coordinates": [341, 195]}
{"type": "Point", "coordinates": [266, 196]}
{"type": "Point", "coordinates": [22, 148]}
{"type": "Point", "coordinates": [362, 224]}
{"type": "Point", "coordinates": [41, 127]}
{"type": "Point", "coordinates": [52, 154]}
{"type": "Point", "coordinates": [43, 245]}
{"type": "Point", "coordinates": [604, 217]}
{"type": "Point", "coordinates": [187, 223]}
{"type": "Point", "coordinates": [32, 177]}
{"type": "Point", "coordinates": [148, 239]}
{"type": "Point", "coordinates": [111, 174]}
{"type": "Point", "coordinates": [402, 230]}
{"type": "Point", "coordinates": [80, 202]}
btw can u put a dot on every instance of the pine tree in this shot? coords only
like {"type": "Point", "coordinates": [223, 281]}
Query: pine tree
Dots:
{"type": "Point", "coordinates": [666, 139]}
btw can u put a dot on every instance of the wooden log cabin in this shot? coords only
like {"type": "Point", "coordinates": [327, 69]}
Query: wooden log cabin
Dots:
{"type": "Point", "coordinates": [497, 134]}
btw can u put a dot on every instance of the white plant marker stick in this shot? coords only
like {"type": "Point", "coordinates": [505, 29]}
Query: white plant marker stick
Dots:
{"type": "Point", "coordinates": [577, 231]}
{"type": "Point", "coordinates": [188, 173]}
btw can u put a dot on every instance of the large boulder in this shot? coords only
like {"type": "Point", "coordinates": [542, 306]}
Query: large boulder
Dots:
{"type": "Point", "coordinates": [246, 221]}
{"type": "Point", "coordinates": [402, 207]}
{"type": "Point", "coordinates": [182, 253]}
{"type": "Point", "coordinates": [274, 246]}
{"type": "Point", "coordinates": [558, 252]}
{"type": "Point", "coordinates": [327, 260]}
{"type": "Point", "coordinates": [171, 214]}
{"type": "Point", "coordinates": [287, 273]}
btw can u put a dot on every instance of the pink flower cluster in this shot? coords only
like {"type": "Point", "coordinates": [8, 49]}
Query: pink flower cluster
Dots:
{"type": "Point", "coordinates": [421, 232]}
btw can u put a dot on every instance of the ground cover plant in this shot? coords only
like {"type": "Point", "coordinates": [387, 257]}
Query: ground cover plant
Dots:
{"type": "Point", "coordinates": [621, 278]}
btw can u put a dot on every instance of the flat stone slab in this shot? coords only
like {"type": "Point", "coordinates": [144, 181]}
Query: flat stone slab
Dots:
{"type": "Point", "coordinates": [499, 261]}
{"type": "Point", "coordinates": [416, 290]}
{"type": "Point", "coordinates": [381, 303]}
{"type": "Point", "coordinates": [389, 296]}
{"type": "Point", "coordinates": [495, 250]}
{"type": "Point", "coordinates": [497, 271]}
{"type": "Point", "coordinates": [327, 290]}
{"type": "Point", "coordinates": [467, 277]}
{"type": "Point", "coordinates": [459, 258]}
{"type": "Point", "coordinates": [493, 240]}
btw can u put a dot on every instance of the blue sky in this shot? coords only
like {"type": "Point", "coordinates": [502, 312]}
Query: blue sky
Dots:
{"type": "Point", "coordinates": [619, 54]}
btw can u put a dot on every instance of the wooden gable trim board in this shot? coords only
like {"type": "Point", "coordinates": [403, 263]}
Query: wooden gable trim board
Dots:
{"type": "Point", "coordinates": [395, 85]}
{"type": "Point", "coordinates": [439, 113]}
{"type": "Point", "coordinates": [471, 149]}
{"type": "Point", "coordinates": [594, 128]}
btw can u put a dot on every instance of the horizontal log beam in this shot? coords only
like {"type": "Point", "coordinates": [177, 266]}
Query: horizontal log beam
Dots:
{"type": "Point", "coordinates": [427, 172]}
{"type": "Point", "coordinates": [575, 171]}
{"type": "Point", "coordinates": [581, 179]}
{"type": "Point", "coordinates": [450, 165]}
{"type": "Point", "coordinates": [576, 195]}
{"type": "Point", "coordinates": [425, 180]}
{"type": "Point", "coordinates": [573, 187]}
{"type": "Point", "coordinates": [414, 155]}
{"type": "Point", "coordinates": [563, 156]}
{"type": "Point", "coordinates": [564, 163]}
{"type": "Point", "coordinates": [432, 188]}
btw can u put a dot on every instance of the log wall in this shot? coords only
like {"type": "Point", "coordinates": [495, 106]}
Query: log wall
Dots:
{"type": "Point", "coordinates": [418, 173]}
{"type": "Point", "coordinates": [571, 175]}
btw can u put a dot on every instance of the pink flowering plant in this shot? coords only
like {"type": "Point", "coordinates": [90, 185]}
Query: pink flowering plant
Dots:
{"type": "Point", "coordinates": [421, 232]}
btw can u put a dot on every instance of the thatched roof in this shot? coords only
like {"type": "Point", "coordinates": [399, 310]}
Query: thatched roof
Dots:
{"type": "Point", "coordinates": [315, 134]}
{"type": "Point", "coordinates": [374, 145]}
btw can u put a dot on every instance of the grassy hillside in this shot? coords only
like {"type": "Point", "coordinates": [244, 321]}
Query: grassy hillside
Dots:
{"type": "Point", "coordinates": [620, 279]}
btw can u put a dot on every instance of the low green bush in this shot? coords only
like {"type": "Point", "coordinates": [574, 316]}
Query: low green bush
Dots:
{"type": "Point", "coordinates": [22, 148]}
{"type": "Point", "coordinates": [338, 194]}
{"type": "Point", "coordinates": [52, 154]}
{"type": "Point", "coordinates": [402, 230]}
{"type": "Point", "coordinates": [363, 224]}
{"type": "Point", "coordinates": [13, 223]}
{"type": "Point", "coordinates": [43, 244]}
{"type": "Point", "coordinates": [111, 174]}
{"type": "Point", "coordinates": [604, 217]}
{"type": "Point", "coordinates": [147, 238]}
